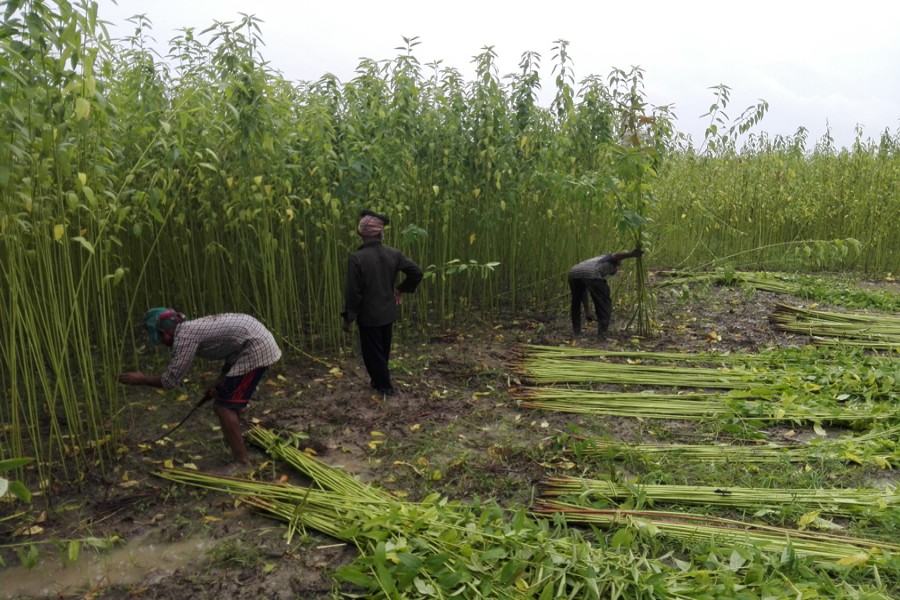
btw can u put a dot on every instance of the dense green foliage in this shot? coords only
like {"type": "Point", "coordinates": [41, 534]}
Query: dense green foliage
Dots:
{"type": "Point", "coordinates": [753, 206]}
{"type": "Point", "coordinates": [208, 182]}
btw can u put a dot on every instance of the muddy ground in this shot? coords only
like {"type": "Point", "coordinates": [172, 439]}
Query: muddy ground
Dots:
{"type": "Point", "coordinates": [454, 427]}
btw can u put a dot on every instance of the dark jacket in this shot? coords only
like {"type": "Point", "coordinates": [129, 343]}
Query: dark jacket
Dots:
{"type": "Point", "coordinates": [369, 294]}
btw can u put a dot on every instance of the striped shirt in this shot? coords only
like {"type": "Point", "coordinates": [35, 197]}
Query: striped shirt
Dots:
{"type": "Point", "coordinates": [239, 340]}
{"type": "Point", "coordinates": [594, 268]}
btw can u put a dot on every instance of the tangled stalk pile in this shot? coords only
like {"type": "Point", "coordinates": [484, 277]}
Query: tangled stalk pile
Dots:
{"type": "Point", "coordinates": [838, 502]}
{"type": "Point", "coordinates": [441, 549]}
{"type": "Point", "coordinates": [799, 285]}
{"type": "Point", "coordinates": [876, 448]}
{"type": "Point", "coordinates": [834, 328]}
{"type": "Point", "coordinates": [808, 384]}
{"type": "Point", "coordinates": [690, 406]}
{"type": "Point", "coordinates": [855, 329]}
{"type": "Point", "coordinates": [691, 528]}
{"type": "Point", "coordinates": [552, 370]}
{"type": "Point", "coordinates": [768, 358]}
{"type": "Point", "coordinates": [435, 548]}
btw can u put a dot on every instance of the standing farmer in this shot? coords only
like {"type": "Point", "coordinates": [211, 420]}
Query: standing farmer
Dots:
{"type": "Point", "coordinates": [589, 277]}
{"type": "Point", "coordinates": [243, 343]}
{"type": "Point", "coordinates": [371, 299]}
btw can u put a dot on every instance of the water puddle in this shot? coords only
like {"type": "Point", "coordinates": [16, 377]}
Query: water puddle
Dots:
{"type": "Point", "coordinates": [139, 560]}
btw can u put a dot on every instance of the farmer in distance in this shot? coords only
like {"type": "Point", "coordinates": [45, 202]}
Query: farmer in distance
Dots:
{"type": "Point", "coordinates": [371, 298]}
{"type": "Point", "coordinates": [589, 277]}
{"type": "Point", "coordinates": [243, 343]}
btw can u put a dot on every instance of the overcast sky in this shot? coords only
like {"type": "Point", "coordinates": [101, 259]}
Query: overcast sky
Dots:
{"type": "Point", "coordinates": [814, 62]}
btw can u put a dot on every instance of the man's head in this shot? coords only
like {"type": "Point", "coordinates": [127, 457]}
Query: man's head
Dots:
{"type": "Point", "coordinates": [371, 225]}
{"type": "Point", "coordinates": [160, 324]}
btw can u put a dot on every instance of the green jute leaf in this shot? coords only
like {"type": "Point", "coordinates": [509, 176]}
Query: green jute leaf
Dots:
{"type": "Point", "coordinates": [737, 560]}
{"type": "Point", "coordinates": [356, 577]}
{"type": "Point", "coordinates": [14, 463]}
{"type": "Point", "coordinates": [100, 543]}
{"type": "Point", "coordinates": [385, 577]}
{"type": "Point", "coordinates": [87, 245]}
{"type": "Point", "coordinates": [622, 538]}
{"type": "Point", "coordinates": [11, 7]}
{"type": "Point", "coordinates": [424, 588]}
{"type": "Point", "coordinates": [73, 551]}
{"type": "Point", "coordinates": [82, 108]}
{"type": "Point", "coordinates": [18, 489]}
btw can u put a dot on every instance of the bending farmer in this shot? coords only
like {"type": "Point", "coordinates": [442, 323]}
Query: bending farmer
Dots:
{"type": "Point", "coordinates": [243, 343]}
{"type": "Point", "coordinates": [589, 277]}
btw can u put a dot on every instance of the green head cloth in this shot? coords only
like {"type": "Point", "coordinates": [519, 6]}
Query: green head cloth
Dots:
{"type": "Point", "coordinates": [157, 319]}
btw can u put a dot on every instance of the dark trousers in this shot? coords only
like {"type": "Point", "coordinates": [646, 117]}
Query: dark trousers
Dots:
{"type": "Point", "coordinates": [375, 345]}
{"type": "Point", "coordinates": [599, 291]}
{"type": "Point", "coordinates": [235, 392]}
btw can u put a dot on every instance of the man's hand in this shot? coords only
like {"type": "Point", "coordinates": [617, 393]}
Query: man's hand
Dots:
{"type": "Point", "coordinates": [131, 378]}
{"type": "Point", "coordinates": [138, 378]}
{"type": "Point", "coordinates": [398, 297]}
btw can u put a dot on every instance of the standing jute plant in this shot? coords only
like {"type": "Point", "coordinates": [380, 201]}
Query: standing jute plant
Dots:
{"type": "Point", "coordinates": [634, 165]}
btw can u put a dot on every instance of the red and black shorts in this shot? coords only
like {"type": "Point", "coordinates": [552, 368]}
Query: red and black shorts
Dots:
{"type": "Point", "coordinates": [235, 392]}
